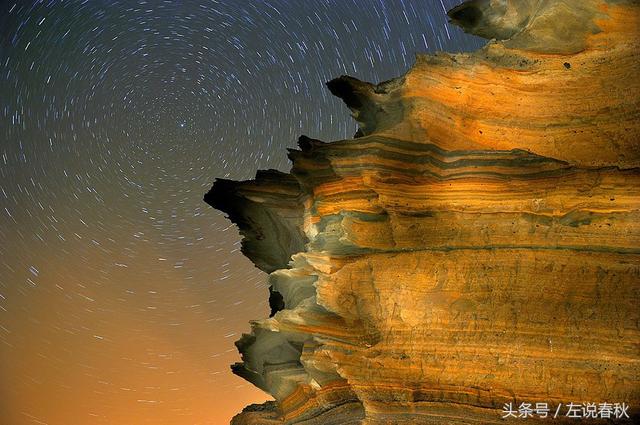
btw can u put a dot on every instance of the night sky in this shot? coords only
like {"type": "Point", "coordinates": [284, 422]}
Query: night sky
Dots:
{"type": "Point", "coordinates": [121, 292]}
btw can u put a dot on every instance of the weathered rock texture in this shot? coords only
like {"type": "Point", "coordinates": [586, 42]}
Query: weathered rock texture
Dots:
{"type": "Point", "coordinates": [477, 244]}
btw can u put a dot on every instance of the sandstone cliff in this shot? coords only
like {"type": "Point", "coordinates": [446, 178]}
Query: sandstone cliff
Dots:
{"type": "Point", "coordinates": [476, 244]}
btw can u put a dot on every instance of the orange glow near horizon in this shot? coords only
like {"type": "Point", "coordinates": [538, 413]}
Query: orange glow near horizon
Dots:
{"type": "Point", "coordinates": [158, 353]}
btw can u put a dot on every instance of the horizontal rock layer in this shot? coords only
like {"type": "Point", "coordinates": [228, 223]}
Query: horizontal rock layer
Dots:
{"type": "Point", "coordinates": [477, 243]}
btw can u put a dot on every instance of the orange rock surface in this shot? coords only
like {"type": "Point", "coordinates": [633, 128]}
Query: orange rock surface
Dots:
{"type": "Point", "coordinates": [478, 243]}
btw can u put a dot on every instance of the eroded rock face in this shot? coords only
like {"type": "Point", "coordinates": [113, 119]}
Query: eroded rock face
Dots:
{"type": "Point", "coordinates": [477, 243]}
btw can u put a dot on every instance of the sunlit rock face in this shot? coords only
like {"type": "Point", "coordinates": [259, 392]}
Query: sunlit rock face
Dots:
{"type": "Point", "coordinates": [476, 244]}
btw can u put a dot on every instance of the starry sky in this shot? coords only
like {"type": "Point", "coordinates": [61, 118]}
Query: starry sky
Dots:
{"type": "Point", "coordinates": [121, 292]}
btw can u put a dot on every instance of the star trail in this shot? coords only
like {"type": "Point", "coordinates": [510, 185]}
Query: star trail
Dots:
{"type": "Point", "coordinates": [121, 292]}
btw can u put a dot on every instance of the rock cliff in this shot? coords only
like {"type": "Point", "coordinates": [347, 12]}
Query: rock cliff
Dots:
{"type": "Point", "coordinates": [476, 245]}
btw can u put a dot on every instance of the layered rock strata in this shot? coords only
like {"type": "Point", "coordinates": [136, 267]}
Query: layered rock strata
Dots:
{"type": "Point", "coordinates": [477, 244]}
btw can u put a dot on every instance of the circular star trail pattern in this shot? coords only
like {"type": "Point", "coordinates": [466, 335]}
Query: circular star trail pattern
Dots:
{"type": "Point", "coordinates": [121, 292]}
